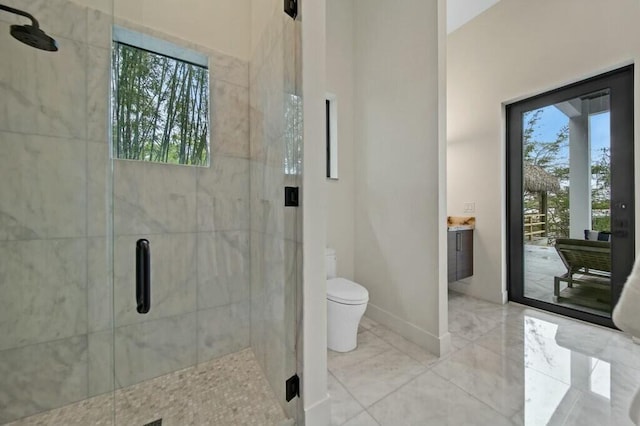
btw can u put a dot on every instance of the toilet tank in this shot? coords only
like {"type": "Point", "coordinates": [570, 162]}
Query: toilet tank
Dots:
{"type": "Point", "coordinates": [331, 263]}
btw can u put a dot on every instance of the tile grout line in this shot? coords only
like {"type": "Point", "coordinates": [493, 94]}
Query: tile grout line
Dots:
{"type": "Point", "coordinates": [87, 284]}
{"type": "Point", "coordinates": [348, 367]}
{"type": "Point", "coordinates": [471, 343]}
{"type": "Point", "coordinates": [116, 327]}
{"type": "Point", "coordinates": [427, 368]}
{"type": "Point", "coordinates": [372, 416]}
{"type": "Point", "coordinates": [365, 359]}
{"type": "Point", "coordinates": [404, 352]}
{"type": "Point", "coordinates": [397, 389]}
{"type": "Point", "coordinates": [570, 410]}
{"type": "Point", "coordinates": [386, 395]}
{"type": "Point", "coordinates": [474, 397]}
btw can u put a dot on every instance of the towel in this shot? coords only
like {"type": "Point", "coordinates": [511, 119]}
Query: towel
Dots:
{"type": "Point", "coordinates": [626, 314]}
{"type": "Point", "coordinates": [634, 412]}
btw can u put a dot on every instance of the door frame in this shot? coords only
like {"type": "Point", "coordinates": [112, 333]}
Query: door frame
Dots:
{"type": "Point", "coordinates": [620, 82]}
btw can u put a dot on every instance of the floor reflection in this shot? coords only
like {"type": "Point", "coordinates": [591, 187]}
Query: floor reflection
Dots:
{"type": "Point", "coordinates": [552, 370]}
{"type": "Point", "coordinates": [547, 371]}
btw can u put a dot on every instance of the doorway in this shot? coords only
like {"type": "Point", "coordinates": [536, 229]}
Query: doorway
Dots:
{"type": "Point", "coordinates": [570, 203]}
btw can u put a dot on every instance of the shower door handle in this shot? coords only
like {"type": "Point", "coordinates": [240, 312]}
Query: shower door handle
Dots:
{"type": "Point", "coordinates": [143, 276]}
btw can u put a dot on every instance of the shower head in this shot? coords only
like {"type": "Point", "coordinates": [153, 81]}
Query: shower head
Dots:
{"type": "Point", "coordinates": [34, 37]}
{"type": "Point", "coordinates": [30, 35]}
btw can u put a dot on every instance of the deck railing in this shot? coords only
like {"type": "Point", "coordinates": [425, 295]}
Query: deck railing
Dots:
{"type": "Point", "coordinates": [535, 224]}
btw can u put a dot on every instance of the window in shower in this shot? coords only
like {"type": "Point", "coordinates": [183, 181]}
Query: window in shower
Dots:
{"type": "Point", "coordinates": [160, 101]}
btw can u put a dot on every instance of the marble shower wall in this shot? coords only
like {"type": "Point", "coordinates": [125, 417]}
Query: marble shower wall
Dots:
{"type": "Point", "coordinates": [276, 154]}
{"type": "Point", "coordinates": [54, 269]}
{"type": "Point", "coordinates": [57, 328]}
{"type": "Point", "coordinates": [197, 221]}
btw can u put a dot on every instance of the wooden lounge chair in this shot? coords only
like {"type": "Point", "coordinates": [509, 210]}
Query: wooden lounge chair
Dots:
{"type": "Point", "coordinates": [588, 263]}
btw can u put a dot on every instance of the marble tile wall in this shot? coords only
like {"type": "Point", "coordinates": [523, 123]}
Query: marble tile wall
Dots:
{"type": "Point", "coordinates": [276, 250]}
{"type": "Point", "coordinates": [66, 269]}
{"type": "Point", "coordinates": [197, 221]}
{"type": "Point", "coordinates": [42, 377]}
{"type": "Point", "coordinates": [54, 274]}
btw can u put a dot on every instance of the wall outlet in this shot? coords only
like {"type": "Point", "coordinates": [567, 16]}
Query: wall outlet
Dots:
{"type": "Point", "coordinates": [469, 207]}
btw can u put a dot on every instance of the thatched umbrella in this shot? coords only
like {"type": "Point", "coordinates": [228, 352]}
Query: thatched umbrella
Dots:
{"type": "Point", "coordinates": [538, 180]}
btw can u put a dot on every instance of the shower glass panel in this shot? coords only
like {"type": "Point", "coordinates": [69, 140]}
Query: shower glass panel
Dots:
{"type": "Point", "coordinates": [134, 291]}
{"type": "Point", "coordinates": [55, 288]}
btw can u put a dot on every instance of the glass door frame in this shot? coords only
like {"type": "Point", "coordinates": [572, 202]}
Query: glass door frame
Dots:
{"type": "Point", "coordinates": [620, 83]}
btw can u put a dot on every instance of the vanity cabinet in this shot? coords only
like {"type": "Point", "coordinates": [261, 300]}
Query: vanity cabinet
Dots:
{"type": "Point", "coordinates": [460, 254]}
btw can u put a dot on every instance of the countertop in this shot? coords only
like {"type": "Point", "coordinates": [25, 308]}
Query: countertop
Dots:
{"type": "Point", "coordinates": [460, 223]}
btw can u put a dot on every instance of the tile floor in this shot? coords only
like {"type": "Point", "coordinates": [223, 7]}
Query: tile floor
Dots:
{"type": "Point", "coordinates": [230, 390]}
{"type": "Point", "coordinates": [510, 366]}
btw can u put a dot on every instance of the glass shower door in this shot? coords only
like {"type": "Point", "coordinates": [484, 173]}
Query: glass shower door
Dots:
{"type": "Point", "coordinates": [156, 203]}
{"type": "Point", "coordinates": [180, 239]}
{"type": "Point", "coordinates": [212, 339]}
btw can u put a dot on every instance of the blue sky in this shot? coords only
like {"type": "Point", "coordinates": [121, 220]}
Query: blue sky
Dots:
{"type": "Point", "coordinates": [552, 120]}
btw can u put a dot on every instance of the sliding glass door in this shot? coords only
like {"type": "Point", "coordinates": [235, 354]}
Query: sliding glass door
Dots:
{"type": "Point", "coordinates": [570, 196]}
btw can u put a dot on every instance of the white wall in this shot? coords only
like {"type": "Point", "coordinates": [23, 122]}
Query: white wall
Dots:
{"type": "Point", "coordinates": [514, 50]}
{"type": "Point", "coordinates": [261, 12]}
{"type": "Point", "coordinates": [459, 12]}
{"type": "Point", "coordinates": [398, 152]}
{"type": "Point", "coordinates": [340, 82]}
{"type": "Point", "coordinates": [222, 25]}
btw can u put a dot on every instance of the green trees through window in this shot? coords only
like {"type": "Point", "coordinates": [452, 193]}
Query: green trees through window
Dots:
{"type": "Point", "coordinates": [160, 108]}
{"type": "Point", "coordinates": [550, 152]}
{"type": "Point", "coordinates": [551, 156]}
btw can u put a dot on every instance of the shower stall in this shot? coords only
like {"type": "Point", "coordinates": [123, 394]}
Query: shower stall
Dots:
{"type": "Point", "coordinates": [150, 272]}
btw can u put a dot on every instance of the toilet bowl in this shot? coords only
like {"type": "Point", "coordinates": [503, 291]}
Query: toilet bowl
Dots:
{"type": "Point", "coordinates": [346, 303]}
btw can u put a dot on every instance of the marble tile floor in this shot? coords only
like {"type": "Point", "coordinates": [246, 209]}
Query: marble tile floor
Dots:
{"type": "Point", "coordinates": [510, 365]}
{"type": "Point", "coordinates": [230, 390]}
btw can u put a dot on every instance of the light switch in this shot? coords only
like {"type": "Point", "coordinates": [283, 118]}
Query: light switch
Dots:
{"type": "Point", "coordinates": [469, 207]}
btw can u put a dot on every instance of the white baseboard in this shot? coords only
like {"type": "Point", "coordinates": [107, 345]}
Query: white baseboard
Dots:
{"type": "Point", "coordinates": [434, 344]}
{"type": "Point", "coordinates": [466, 288]}
{"type": "Point", "coordinates": [319, 414]}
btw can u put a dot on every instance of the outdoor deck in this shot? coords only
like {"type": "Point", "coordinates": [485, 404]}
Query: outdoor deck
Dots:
{"type": "Point", "coordinates": [542, 263]}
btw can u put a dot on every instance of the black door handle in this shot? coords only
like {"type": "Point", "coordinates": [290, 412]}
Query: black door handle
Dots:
{"type": "Point", "coordinates": [143, 276]}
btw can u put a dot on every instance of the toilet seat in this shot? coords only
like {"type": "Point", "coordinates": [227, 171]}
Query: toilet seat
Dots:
{"type": "Point", "coordinates": [346, 292]}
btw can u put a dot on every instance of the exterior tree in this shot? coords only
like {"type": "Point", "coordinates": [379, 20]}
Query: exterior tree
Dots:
{"type": "Point", "coordinates": [160, 108]}
{"type": "Point", "coordinates": [548, 155]}
{"type": "Point", "coordinates": [601, 191]}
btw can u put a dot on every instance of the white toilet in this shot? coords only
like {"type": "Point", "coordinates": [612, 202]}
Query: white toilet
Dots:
{"type": "Point", "coordinates": [346, 303]}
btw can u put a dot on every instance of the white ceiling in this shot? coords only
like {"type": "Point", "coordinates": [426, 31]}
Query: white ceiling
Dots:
{"type": "Point", "coordinates": [459, 12]}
